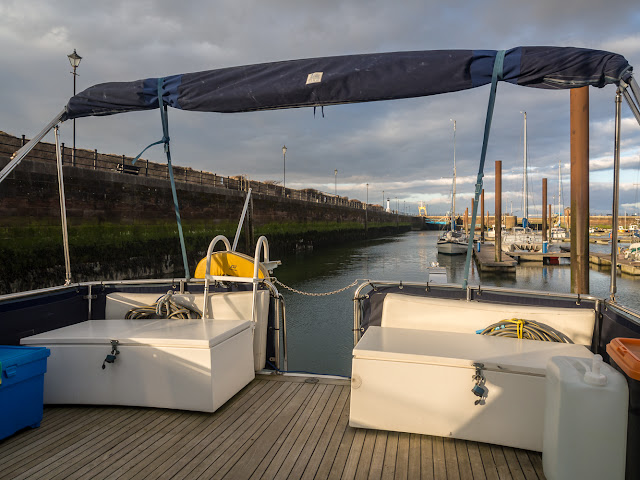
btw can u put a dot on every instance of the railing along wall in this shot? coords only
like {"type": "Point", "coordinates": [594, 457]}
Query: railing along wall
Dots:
{"type": "Point", "coordinates": [121, 163]}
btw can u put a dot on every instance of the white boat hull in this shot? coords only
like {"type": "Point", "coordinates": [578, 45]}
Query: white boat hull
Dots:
{"type": "Point", "coordinates": [451, 248]}
{"type": "Point", "coordinates": [558, 234]}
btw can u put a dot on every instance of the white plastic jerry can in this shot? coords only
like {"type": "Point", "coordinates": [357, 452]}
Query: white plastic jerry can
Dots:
{"type": "Point", "coordinates": [585, 421]}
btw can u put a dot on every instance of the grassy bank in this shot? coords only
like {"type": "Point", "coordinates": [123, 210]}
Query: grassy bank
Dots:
{"type": "Point", "coordinates": [32, 255]}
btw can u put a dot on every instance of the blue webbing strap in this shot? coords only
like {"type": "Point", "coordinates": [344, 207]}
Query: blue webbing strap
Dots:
{"type": "Point", "coordinates": [497, 75]}
{"type": "Point", "coordinates": [165, 140]}
{"type": "Point", "coordinates": [133, 162]}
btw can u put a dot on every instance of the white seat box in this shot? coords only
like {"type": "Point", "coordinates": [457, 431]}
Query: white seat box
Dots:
{"type": "Point", "coordinates": [180, 364]}
{"type": "Point", "coordinates": [420, 381]}
{"type": "Point", "coordinates": [222, 305]}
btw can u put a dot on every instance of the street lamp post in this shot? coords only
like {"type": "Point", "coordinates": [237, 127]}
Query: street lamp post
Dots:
{"type": "Point", "coordinates": [284, 170]}
{"type": "Point", "coordinates": [335, 172]}
{"type": "Point", "coordinates": [396, 211]}
{"type": "Point", "coordinates": [74, 60]}
{"type": "Point", "coordinates": [366, 207]}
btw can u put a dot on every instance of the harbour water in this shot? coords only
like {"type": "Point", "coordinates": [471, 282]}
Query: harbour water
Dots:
{"type": "Point", "coordinates": [320, 337]}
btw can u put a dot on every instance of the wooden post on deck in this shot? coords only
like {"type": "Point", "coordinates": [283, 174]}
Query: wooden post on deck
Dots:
{"type": "Point", "coordinates": [498, 212]}
{"type": "Point", "coordinates": [467, 227]}
{"type": "Point", "coordinates": [579, 107]}
{"type": "Point", "coordinates": [544, 209]}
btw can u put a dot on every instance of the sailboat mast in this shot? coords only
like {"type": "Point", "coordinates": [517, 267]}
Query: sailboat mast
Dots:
{"type": "Point", "coordinates": [559, 192]}
{"type": "Point", "coordinates": [525, 199]}
{"type": "Point", "coordinates": [453, 196]}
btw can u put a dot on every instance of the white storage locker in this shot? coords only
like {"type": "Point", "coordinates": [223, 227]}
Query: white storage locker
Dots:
{"type": "Point", "coordinates": [180, 364]}
{"type": "Point", "coordinates": [420, 381]}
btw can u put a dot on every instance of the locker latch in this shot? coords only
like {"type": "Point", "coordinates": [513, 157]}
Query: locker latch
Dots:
{"type": "Point", "coordinates": [112, 356]}
{"type": "Point", "coordinates": [479, 389]}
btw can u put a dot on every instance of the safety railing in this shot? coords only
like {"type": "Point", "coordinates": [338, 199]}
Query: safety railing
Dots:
{"type": "Point", "coordinates": [122, 164]}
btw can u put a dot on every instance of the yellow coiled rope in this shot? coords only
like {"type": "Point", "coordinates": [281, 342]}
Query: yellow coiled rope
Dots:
{"type": "Point", "coordinates": [527, 329]}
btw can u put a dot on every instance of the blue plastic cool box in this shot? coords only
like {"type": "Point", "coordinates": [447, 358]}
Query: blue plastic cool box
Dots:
{"type": "Point", "coordinates": [22, 377]}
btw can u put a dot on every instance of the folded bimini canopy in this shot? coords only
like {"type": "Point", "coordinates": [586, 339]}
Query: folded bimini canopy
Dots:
{"type": "Point", "coordinates": [351, 79]}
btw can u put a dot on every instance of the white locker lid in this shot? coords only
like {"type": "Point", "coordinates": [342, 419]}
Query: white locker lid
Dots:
{"type": "Point", "coordinates": [157, 333]}
{"type": "Point", "coordinates": [462, 349]}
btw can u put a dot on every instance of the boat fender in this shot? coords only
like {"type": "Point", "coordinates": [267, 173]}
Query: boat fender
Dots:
{"type": "Point", "coordinates": [111, 358]}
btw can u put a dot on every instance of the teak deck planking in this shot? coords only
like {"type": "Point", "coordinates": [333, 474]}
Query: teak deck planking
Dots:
{"type": "Point", "coordinates": [277, 427]}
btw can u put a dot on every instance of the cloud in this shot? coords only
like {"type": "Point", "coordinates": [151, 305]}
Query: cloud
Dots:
{"type": "Point", "coordinates": [404, 147]}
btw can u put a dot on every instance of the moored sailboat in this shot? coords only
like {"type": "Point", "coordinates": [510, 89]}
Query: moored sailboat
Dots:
{"type": "Point", "coordinates": [452, 241]}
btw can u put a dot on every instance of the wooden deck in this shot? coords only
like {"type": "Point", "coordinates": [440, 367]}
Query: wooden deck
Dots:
{"type": "Point", "coordinates": [276, 427]}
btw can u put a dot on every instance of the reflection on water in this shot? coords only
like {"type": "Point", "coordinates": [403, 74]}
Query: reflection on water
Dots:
{"type": "Point", "coordinates": [320, 336]}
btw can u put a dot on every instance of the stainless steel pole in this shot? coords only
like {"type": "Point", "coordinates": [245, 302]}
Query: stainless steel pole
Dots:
{"type": "Point", "coordinates": [63, 212]}
{"type": "Point", "coordinates": [18, 156]}
{"type": "Point", "coordinates": [366, 214]}
{"type": "Point", "coordinates": [241, 222]}
{"type": "Point", "coordinates": [616, 198]}
{"type": "Point", "coordinates": [73, 153]}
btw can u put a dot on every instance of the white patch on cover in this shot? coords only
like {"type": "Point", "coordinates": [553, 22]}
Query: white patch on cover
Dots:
{"type": "Point", "coordinates": [315, 77]}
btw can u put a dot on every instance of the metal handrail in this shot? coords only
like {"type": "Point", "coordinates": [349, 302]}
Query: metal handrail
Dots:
{"type": "Point", "coordinates": [261, 244]}
{"type": "Point", "coordinates": [207, 272]}
{"type": "Point", "coordinates": [622, 309]}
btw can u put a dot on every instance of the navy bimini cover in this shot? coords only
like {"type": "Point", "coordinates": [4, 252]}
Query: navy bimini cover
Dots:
{"type": "Point", "coordinates": [351, 79]}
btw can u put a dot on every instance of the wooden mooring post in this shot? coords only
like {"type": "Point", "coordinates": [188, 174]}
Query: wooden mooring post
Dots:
{"type": "Point", "coordinates": [544, 209]}
{"type": "Point", "coordinates": [498, 212]}
{"type": "Point", "coordinates": [579, 107]}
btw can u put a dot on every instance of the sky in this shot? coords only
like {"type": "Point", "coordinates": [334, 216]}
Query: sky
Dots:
{"type": "Point", "coordinates": [402, 149]}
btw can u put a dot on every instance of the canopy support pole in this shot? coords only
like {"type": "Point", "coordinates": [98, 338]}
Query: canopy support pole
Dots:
{"type": "Point", "coordinates": [635, 88]}
{"type": "Point", "coordinates": [497, 75]}
{"type": "Point", "coordinates": [635, 109]}
{"type": "Point", "coordinates": [616, 198]}
{"type": "Point", "coordinates": [241, 222]}
{"type": "Point", "coordinates": [25, 149]}
{"type": "Point", "coordinates": [63, 211]}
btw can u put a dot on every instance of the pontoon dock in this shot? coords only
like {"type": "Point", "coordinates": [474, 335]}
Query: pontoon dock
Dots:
{"type": "Point", "coordinates": [485, 259]}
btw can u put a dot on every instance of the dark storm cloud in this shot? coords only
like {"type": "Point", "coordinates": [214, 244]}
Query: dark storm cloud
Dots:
{"type": "Point", "coordinates": [404, 148]}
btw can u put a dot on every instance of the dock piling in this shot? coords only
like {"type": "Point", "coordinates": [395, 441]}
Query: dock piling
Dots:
{"type": "Point", "coordinates": [498, 212]}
